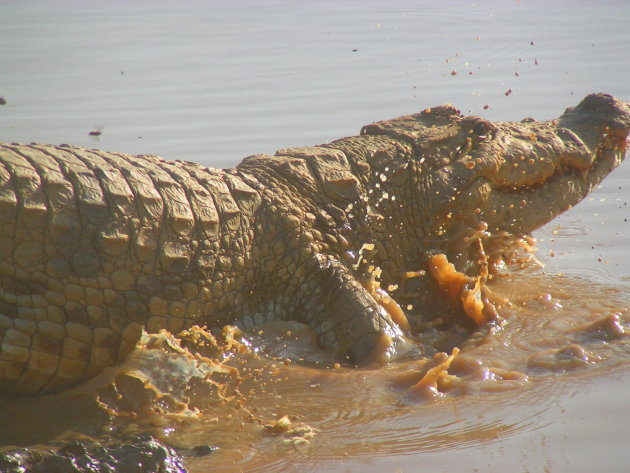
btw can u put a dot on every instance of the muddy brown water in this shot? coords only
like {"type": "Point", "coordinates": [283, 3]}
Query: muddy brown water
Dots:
{"type": "Point", "coordinates": [216, 81]}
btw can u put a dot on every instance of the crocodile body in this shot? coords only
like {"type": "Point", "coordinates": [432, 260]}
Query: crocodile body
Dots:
{"type": "Point", "coordinates": [97, 246]}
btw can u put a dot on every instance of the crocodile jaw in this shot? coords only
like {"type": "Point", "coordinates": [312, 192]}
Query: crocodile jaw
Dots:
{"type": "Point", "coordinates": [526, 174]}
{"type": "Point", "coordinates": [523, 211]}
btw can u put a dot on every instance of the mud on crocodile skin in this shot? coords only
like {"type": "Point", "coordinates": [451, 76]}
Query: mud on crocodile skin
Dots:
{"type": "Point", "coordinates": [97, 246]}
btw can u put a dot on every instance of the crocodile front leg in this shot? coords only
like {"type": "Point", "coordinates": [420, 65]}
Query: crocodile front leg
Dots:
{"type": "Point", "coordinates": [345, 316]}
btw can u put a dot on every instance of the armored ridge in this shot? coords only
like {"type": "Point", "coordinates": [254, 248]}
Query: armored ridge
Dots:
{"type": "Point", "coordinates": [97, 246]}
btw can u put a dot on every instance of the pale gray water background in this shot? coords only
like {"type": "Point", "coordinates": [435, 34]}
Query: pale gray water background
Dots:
{"type": "Point", "coordinates": [216, 81]}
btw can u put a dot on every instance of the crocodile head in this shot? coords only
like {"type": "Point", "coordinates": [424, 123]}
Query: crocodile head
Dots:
{"type": "Point", "coordinates": [521, 176]}
{"type": "Point", "coordinates": [510, 177]}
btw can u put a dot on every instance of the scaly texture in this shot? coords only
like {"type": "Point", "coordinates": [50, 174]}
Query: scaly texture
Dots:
{"type": "Point", "coordinates": [97, 246]}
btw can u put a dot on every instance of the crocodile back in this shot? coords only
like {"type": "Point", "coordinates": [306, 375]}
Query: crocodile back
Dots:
{"type": "Point", "coordinates": [96, 246]}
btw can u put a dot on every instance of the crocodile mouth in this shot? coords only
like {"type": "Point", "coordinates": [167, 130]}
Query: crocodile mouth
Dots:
{"type": "Point", "coordinates": [525, 209]}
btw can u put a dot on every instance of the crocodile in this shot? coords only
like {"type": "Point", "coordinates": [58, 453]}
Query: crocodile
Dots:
{"type": "Point", "coordinates": [97, 247]}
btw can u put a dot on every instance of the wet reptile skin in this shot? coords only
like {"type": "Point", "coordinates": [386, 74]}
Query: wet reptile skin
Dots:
{"type": "Point", "coordinates": [97, 246]}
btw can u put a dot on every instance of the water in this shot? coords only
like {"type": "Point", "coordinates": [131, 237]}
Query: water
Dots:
{"type": "Point", "coordinates": [216, 81]}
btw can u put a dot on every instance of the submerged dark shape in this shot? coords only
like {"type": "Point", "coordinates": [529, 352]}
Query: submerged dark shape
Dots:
{"type": "Point", "coordinates": [97, 246]}
{"type": "Point", "coordinates": [141, 455]}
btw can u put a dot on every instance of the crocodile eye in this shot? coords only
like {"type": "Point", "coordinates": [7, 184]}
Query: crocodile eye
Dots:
{"type": "Point", "coordinates": [480, 129]}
